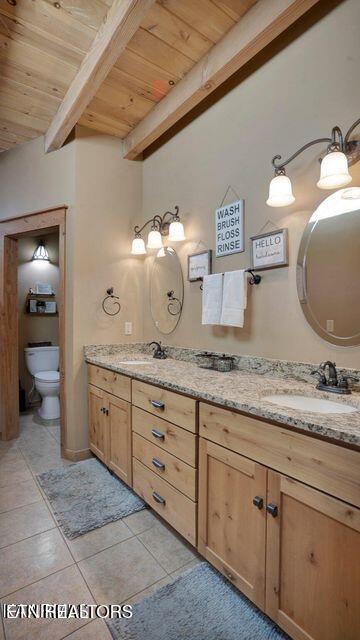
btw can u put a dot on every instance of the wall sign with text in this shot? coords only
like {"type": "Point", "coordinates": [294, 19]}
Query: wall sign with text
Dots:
{"type": "Point", "coordinates": [269, 250]}
{"type": "Point", "coordinates": [199, 265]}
{"type": "Point", "coordinates": [229, 229]}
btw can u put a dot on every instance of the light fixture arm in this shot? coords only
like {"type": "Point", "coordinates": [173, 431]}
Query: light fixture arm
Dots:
{"type": "Point", "coordinates": [279, 166]}
{"type": "Point", "coordinates": [159, 223]}
{"type": "Point", "coordinates": [337, 142]}
{"type": "Point", "coordinates": [349, 132]}
{"type": "Point", "coordinates": [341, 152]}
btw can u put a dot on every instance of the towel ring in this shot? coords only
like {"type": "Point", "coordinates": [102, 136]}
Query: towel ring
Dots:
{"type": "Point", "coordinates": [113, 297]}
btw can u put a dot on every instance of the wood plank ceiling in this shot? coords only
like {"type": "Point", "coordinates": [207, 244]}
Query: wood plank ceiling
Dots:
{"type": "Point", "coordinates": [42, 45]}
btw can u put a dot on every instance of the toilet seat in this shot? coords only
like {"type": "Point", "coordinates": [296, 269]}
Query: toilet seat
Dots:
{"type": "Point", "coordinates": [47, 376]}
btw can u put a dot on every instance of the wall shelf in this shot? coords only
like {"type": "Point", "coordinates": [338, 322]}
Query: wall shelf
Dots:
{"type": "Point", "coordinates": [44, 298]}
{"type": "Point", "coordinates": [43, 315]}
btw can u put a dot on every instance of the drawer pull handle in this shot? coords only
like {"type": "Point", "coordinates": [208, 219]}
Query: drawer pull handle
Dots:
{"type": "Point", "coordinates": [258, 502]}
{"type": "Point", "coordinates": [157, 405]}
{"type": "Point", "coordinates": [157, 464]}
{"type": "Point", "coordinates": [272, 509]}
{"type": "Point", "coordinates": [158, 498]}
{"type": "Point", "coordinates": [157, 434]}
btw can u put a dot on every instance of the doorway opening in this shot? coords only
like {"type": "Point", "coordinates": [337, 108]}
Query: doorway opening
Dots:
{"type": "Point", "coordinates": [38, 323]}
{"type": "Point", "coordinates": [32, 322]}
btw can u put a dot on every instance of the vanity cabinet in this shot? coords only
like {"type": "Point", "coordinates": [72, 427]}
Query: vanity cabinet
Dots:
{"type": "Point", "coordinates": [165, 455]}
{"type": "Point", "coordinates": [291, 548]}
{"type": "Point", "coordinates": [118, 415]}
{"type": "Point", "coordinates": [312, 563]}
{"type": "Point", "coordinates": [98, 436]}
{"type": "Point", "coordinates": [232, 518]}
{"type": "Point", "coordinates": [110, 421]}
{"type": "Point", "coordinates": [171, 406]}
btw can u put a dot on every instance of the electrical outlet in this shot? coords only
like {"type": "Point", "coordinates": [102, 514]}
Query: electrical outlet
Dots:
{"type": "Point", "coordinates": [128, 328]}
{"type": "Point", "coordinates": [330, 326]}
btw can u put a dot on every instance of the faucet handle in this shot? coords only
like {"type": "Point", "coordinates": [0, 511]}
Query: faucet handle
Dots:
{"type": "Point", "coordinates": [319, 372]}
{"type": "Point", "coordinates": [344, 381]}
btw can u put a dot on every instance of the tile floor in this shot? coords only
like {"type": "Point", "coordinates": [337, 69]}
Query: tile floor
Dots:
{"type": "Point", "coordinates": [120, 562]}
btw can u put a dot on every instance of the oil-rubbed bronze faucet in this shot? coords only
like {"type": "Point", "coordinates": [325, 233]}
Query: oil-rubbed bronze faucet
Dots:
{"type": "Point", "coordinates": [332, 382]}
{"type": "Point", "coordinates": [159, 352]}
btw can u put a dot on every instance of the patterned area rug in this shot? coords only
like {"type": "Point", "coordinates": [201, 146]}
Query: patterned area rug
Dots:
{"type": "Point", "coordinates": [200, 605]}
{"type": "Point", "coordinates": [85, 496]}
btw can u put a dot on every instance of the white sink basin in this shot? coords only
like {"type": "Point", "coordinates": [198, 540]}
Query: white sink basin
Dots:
{"type": "Point", "coordinates": [135, 362]}
{"type": "Point", "coordinates": [307, 403]}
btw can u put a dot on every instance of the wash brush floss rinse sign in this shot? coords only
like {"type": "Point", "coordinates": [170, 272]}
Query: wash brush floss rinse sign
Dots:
{"type": "Point", "coordinates": [229, 228]}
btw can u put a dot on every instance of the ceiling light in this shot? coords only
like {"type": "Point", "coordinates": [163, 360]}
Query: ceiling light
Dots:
{"type": "Point", "coordinates": [334, 171]}
{"type": "Point", "coordinates": [280, 192]}
{"type": "Point", "coordinates": [41, 253]}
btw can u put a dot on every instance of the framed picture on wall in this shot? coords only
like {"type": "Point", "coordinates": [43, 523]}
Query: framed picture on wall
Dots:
{"type": "Point", "coordinates": [199, 265]}
{"type": "Point", "coordinates": [269, 250]}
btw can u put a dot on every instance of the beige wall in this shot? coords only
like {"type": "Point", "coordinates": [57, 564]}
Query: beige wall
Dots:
{"type": "Point", "coordinates": [32, 181]}
{"type": "Point", "coordinates": [297, 96]}
{"type": "Point", "coordinates": [36, 328]}
{"type": "Point", "coordinates": [103, 192]}
{"type": "Point", "coordinates": [108, 198]}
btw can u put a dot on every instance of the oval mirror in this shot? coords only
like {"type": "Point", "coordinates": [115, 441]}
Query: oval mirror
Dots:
{"type": "Point", "coordinates": [328, 268]}
{"type": "Point", "coordinates": [166, 290]}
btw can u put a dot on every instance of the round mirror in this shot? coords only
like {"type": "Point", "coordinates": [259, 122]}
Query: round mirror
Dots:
{"type": "Point", "coordinates": [328, 268]}
{"type": "Point", "coordinates": [166, 290]}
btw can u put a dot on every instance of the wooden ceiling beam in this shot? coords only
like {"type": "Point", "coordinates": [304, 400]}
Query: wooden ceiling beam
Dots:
{"type": "Point", "coordinates": [123, 19]}
{"type": "Point", "coordinates": [264, 22]}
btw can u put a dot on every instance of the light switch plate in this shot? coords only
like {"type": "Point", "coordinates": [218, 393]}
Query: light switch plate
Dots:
{"type": "Point", "coordinates": [330, 325]}
{"type": "Point", "coordinates": [128, 328]}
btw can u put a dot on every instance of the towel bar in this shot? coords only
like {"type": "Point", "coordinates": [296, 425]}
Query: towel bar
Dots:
{"type": "Point", "coordinates": [255, 278]}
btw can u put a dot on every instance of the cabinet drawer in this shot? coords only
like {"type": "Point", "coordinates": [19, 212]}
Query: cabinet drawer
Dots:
{"type": "Point", "coordinates": [165, 435]}
{"type": "Point", "coordinates": [110, 381]}
{"type": "Point", "coordinates": [166, 404]}
{"type": "Point", "coordinates": [326, 466]}
{"type": "Point", "coordinates": [179, 474]}
{"type": "Point", "coordinates": [172, 505]}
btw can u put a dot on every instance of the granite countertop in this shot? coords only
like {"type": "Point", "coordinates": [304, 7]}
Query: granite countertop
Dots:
{"type": "Point", "coordinates": [241, 390]}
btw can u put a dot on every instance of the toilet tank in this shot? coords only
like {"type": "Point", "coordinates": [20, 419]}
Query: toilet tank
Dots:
{"type": "Point", "coordinates": [41, 359]}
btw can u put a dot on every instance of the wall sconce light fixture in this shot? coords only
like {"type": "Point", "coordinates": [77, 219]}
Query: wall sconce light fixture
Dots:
{"type": "Point", "coordinates": [167, 225]}
{"type": "Point", "coordinates": [41, 252]}
{"type": "Point", "coordinates": [334, 171]}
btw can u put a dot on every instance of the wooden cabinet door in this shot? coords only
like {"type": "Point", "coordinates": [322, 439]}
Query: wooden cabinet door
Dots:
{"type": "Point", "coordinates": [231, 527]}
{"type": "Point", "coordinates": [119, 425]}
{"type": "Point", "coordinates": [313, 562]}
{"type": "Point", "coordinates": [98, 436]}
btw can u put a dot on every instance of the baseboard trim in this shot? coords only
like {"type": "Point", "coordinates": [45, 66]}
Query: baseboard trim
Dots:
{"type": "Point", "coordinates": [75, 456]}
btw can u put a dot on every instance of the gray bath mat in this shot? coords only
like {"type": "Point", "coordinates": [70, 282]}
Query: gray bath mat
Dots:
{"type": "Point", "coordinates": [199, 605]}
{"type": "Point", "coordinates": [85, 496]}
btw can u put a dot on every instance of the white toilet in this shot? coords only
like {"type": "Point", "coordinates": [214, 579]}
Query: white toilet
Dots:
{"type": "Point", "coordinates": [43, 363]}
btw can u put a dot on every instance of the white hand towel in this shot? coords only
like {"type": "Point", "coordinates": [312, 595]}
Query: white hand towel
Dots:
{"type": "Point", "coordinates": [212, 298]}
{"type": "Point", "coordinates": [234, 298]}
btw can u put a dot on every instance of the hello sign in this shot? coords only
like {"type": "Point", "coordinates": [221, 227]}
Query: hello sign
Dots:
{"type": "Point", "coordinates": [229, 228]}
{"type": "Point", "coordinates": [269, 250]}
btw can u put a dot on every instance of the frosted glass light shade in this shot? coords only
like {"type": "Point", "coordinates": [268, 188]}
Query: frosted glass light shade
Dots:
{"type": "Point", "coordinates": [176, 231]}
{"type": "Point", "coordinates": [154, 240]}
{"type": "Point", "coordinates": [280, 192]}
{"type": "Point", "coordinates": [41, 253]}
{"type": "Point", "coordinates": [334, 171]}
{"type": "Point", "coordinates": [138, 247]}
